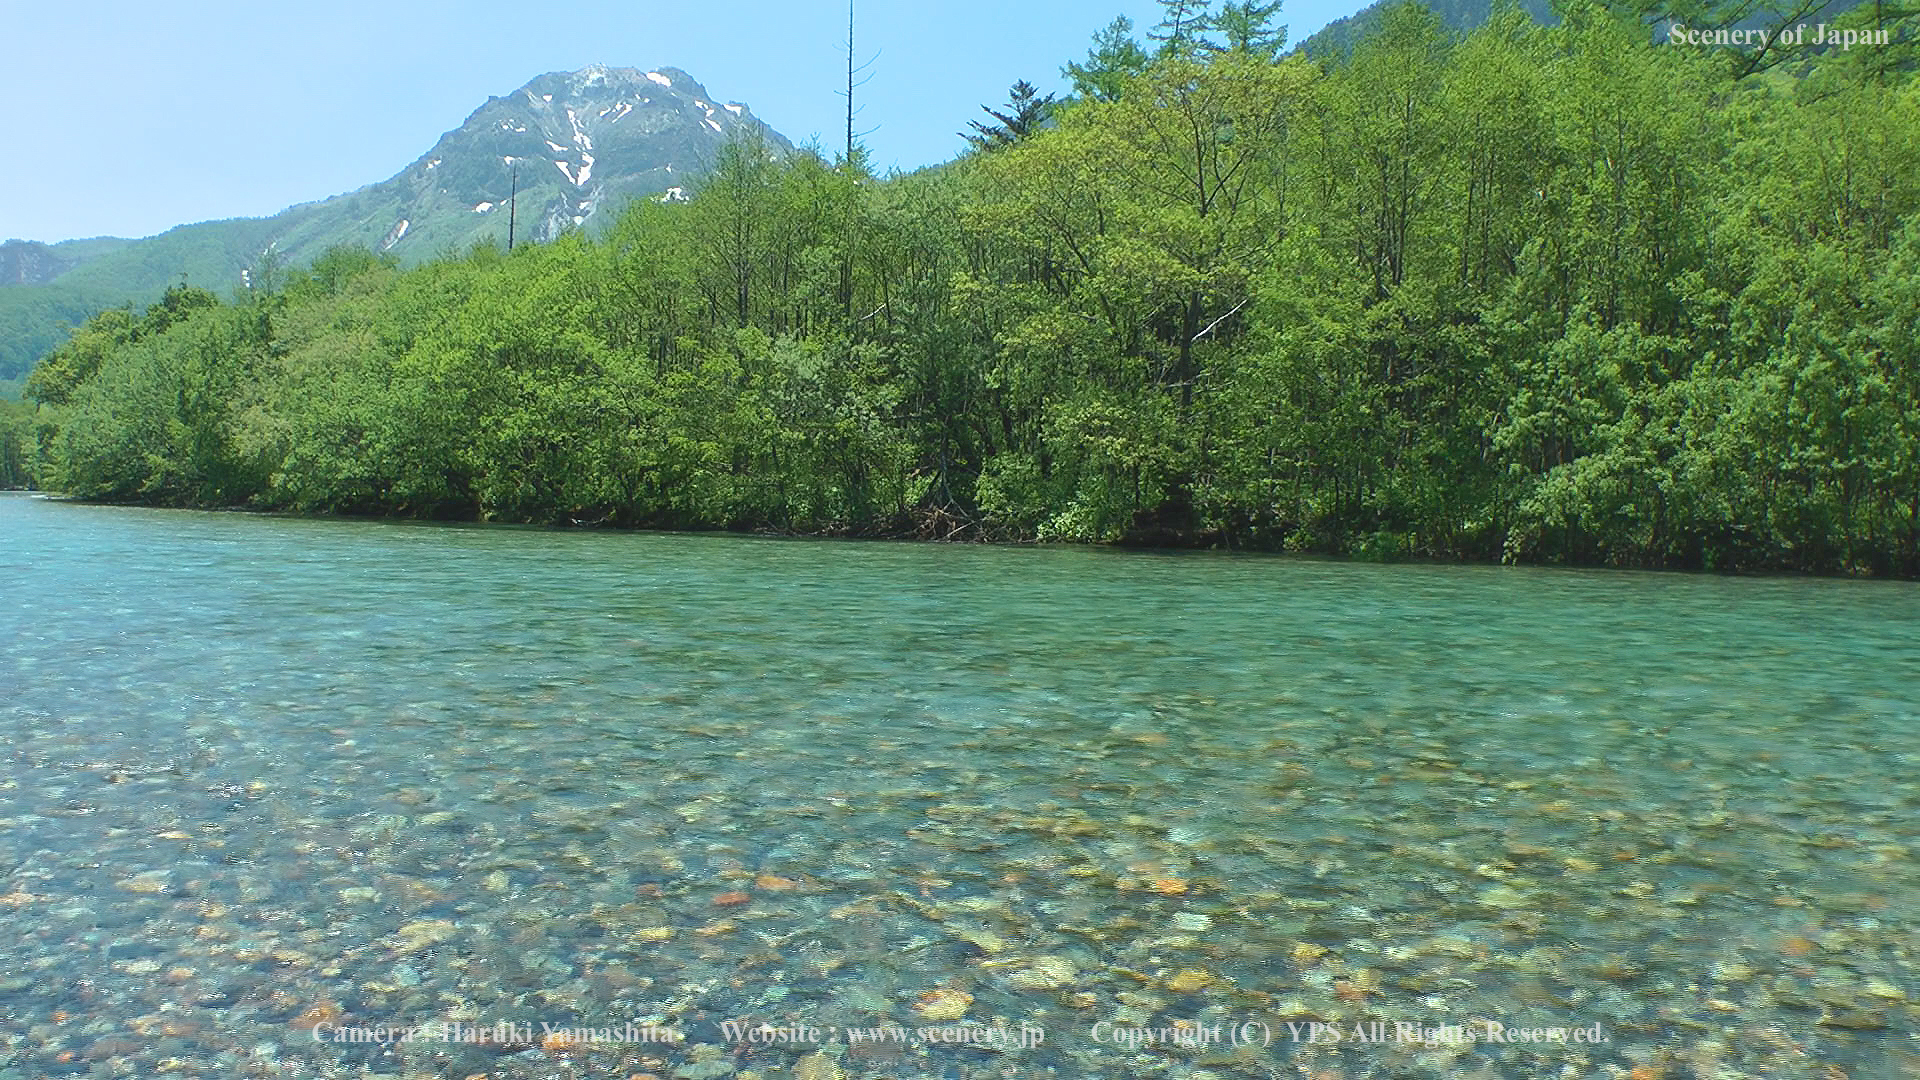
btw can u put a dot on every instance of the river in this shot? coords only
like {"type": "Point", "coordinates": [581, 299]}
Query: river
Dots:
{"type": "Point", "coordinates": [565, 804]}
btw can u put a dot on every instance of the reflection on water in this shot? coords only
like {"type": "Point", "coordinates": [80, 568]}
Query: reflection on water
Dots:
{"type": "Point", "coordinates": [272, 781]}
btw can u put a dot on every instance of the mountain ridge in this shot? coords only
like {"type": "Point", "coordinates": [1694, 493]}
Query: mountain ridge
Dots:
{"type": "Point", "coordinates": [1462, 16]}
{"type": "Point", "coordinates": [569, 147]}
{"type": "Point", "coordinates": [1340, 35]}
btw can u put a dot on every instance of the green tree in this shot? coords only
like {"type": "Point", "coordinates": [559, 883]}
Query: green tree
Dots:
{"type": "Point", "coordinates": [1247, 26]}
{"type": "Point", "coordinates": [1115, 58]}
{"type": "Point", "coordinates": [1180, 29]}
{"type": "Point", "coordinates": [1026, 112]}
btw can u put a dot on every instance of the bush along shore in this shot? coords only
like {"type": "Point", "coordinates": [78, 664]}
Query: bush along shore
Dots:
{"type": "Point", "coordinates": [1541, 294]}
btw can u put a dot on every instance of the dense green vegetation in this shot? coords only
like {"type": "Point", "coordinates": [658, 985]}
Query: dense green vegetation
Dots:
{"type": "Point", "coordinates": [1338, 37]}
{"type": "Point", "coordinates": [35, 319]}
{"type": "Point", "coordinates": [113, 273]}
{"type": "Point", "coordinates": [1547, 294]}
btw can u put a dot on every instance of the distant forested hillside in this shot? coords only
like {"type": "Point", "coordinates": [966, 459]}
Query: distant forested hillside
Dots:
{"type": "Point", "coordinates": [1544, 293]}
{"type": "Point", "coordinates": [1338, 37]}
{"type": "Point", "coordinates": [110, 272]}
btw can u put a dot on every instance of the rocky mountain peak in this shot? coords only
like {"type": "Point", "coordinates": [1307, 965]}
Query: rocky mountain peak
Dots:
{"type": "Point", "coordinates": [569, 145]}
{"type": "Point", "coordinates": [29, 262]}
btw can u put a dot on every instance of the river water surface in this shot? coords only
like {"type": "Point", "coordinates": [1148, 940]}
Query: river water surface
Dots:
{"type": "Point", "coordinates": [272, 787]}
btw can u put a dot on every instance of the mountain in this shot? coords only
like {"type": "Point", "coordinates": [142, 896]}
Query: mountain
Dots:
{"type": "Point", "coordinates": [1338, 37]}
{"type": "Point", "coordinates": [581, 143]}
{"type": "Point", "coordinates": [26, 262]}
{"type": "Point", "coordinates": [578, 145]}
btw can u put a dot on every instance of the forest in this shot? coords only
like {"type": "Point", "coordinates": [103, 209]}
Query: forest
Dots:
{"type": "Point", "coordinates": [1553, 294]}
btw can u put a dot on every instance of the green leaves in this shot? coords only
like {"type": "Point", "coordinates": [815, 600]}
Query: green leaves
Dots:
{"type": "Point", "coordinates": [1114, 59]}
{"type": "Point", "coordinates": [1027, 110]}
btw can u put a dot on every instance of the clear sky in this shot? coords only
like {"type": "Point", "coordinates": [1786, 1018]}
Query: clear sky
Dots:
{"type": "Point", "coordinates": [128, 118]}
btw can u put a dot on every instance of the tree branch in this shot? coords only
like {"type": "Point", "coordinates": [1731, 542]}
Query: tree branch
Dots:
{"type": "Point", "coordinates": [1218, 321]}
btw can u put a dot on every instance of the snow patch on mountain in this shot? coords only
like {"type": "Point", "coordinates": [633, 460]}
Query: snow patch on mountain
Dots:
{"type": "Point", "coordinates": [579, 134]}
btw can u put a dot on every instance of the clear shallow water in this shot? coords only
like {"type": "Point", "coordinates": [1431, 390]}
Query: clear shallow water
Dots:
{"type": "Point", "coordinates": [271, 778]}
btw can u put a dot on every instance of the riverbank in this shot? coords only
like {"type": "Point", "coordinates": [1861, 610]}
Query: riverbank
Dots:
{"type": "Point", "coordinates": [936, 526]}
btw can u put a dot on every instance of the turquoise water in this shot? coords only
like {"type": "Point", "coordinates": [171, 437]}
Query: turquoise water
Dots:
{"type": "Point", "coordinates": [268, 780]}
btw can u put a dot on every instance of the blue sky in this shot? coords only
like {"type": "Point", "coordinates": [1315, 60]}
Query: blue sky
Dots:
{"type": "Point", "coordinates": [130, 118]}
